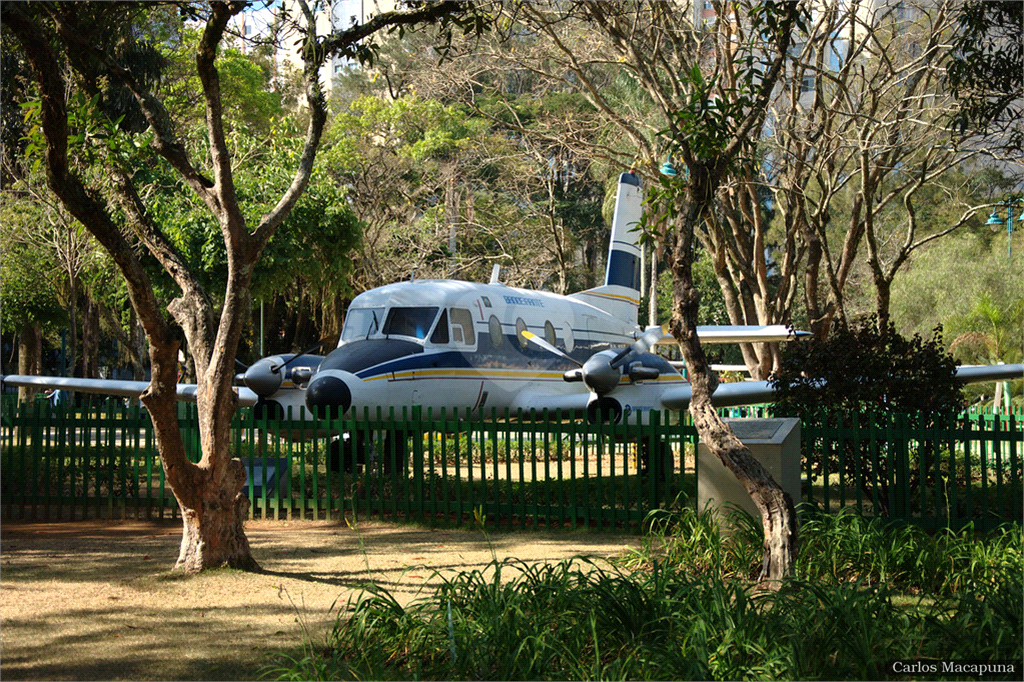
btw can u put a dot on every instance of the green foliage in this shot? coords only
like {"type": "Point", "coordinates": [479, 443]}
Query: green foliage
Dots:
{"type": "Point", "coordinates": [416, 168]}
{"type": "Point", "coordinates": [250, 100]}
{"type": "Point", "coordinates": [27, 281]}
{"type": "Point", "coordinates": [986, 72]}
{"type": "Point", "coordinates": [662, 619]}
{"type": "Point", "coordinates": [864, 369]}
{"type": "Point", "coordinates": [313, 244]}
{"type": "Point", "coordinates": [712, 302]}
{"type": "Point", "coordinates": [856, 374]}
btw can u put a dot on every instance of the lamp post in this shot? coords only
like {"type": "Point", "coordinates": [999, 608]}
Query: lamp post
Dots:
{"type": "Point", "coordinates": [994, 220]}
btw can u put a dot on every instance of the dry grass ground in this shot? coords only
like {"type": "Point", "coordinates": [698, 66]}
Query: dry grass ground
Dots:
{"type": "Point", "coordinates": [97, 601]}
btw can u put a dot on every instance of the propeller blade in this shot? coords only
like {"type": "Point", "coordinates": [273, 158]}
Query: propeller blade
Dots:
{"type": "Point", "coordinates": [641, 345]}
{"type": "Point", "coordinates": [541, 343]}
{"type": "Point", "coordinates": [296, 357]}
{"type": "Point", "coordinates": [242, 365]}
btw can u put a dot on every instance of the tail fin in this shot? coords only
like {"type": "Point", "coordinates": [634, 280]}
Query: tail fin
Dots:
{"type": "Point", "coordinates": [620, 295]}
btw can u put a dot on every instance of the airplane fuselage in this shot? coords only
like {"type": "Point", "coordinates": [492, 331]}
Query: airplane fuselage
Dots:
{"type": "Point", "coordinates": [452, 344]}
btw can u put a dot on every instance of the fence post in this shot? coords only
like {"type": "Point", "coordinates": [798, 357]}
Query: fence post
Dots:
{"type": "Point", "coordinates": [417, 460]}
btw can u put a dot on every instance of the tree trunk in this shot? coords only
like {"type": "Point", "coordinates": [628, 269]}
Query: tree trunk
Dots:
{"type": "Point", "coordinates": [883, 289]}
{"type": "Point", "coordinates": [213, 533]}
{"type": "Point", "coordinates": [778, 515]}
{"type": "Point", "coordinates": [30, 353]}
{"type": "Point", "coordinates": [71, 362]}
{"type": "Point", "coordinates": [90, 341]}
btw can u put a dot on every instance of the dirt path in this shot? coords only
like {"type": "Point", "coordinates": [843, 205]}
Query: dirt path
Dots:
{"type": "Point", "coordinates": [96, 601]}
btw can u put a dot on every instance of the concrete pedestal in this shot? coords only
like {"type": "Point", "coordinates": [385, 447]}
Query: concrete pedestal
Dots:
{"type": "Point", "coordinates": [775, 443]}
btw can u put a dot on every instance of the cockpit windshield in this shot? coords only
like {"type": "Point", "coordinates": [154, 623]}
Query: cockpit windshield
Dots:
{"type": "Point", "coordinates": [415, 322]}
{"type": "Point", "coordinates": [361, 323]}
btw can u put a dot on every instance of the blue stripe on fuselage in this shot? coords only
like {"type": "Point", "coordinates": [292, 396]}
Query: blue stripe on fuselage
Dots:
{"type": "Point", "coordinates": [505, 357]}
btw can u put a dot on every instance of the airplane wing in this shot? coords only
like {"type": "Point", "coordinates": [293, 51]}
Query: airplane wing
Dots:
{"type": "Point", "coordinates": [726, 395]}
{"type": "Point", "coordinates": [754, 392]}
{"type": "Point", "coordinates": [127, 389]}
{"type": "Point", "coordinates": [973, 374]}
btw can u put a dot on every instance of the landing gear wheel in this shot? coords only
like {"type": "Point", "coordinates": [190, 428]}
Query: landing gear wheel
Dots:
{"type": "Point", "coordinates": [348, 450]}
{"type": "Point", "coordinates": [648, 447]}
{"type": "Point", "coordinates": [395, 450]}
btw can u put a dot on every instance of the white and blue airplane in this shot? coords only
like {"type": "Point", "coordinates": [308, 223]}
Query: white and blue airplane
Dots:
{"type": "Point", "coordinates": [471, 346]}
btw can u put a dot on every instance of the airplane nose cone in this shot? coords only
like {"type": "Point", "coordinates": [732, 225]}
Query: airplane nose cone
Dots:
{"type": "Point", "coordinates": [328, 396]}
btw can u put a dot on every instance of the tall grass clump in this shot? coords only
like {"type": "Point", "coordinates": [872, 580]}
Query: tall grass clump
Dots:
{"type": "Point", "coordinates": [684, 606]}
{"type": "Point", "coordinates": [581, 621]}
{"type": "Point", "coordinates": [845, 547]}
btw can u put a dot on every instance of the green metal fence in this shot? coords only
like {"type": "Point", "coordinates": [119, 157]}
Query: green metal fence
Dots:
{"type": "Point", "coordinates": [933, 473]}
{"type": "Point", "coordinates": [509, 470]}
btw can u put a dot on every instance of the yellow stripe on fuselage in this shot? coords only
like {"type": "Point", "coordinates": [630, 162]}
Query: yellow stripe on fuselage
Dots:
{"type": "Point", "coordinates": [614, 297]}
{"type": "Point", "coordinates": [492, 375]}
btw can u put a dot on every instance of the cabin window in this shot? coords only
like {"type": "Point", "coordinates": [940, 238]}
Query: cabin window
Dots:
{"type": "Point", "coordinates": [462, 327]}
{"type": "Point", "coordinates": [415, 322]}
{"type": "Point", "coordinates": [549, 332]}
{"type": "Point", "coordinates": [520, 328]}
{"type": "Point", "coordinates": [569, 341]}
{"type": "Point", "coordinates": [440, 334]}
{"type": "Point", "coordinates": [494, 327]}
{"type": "Point", "coordinates": [361, 323]}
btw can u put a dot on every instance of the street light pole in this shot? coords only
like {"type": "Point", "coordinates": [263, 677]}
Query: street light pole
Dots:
{"type": "Point", "coordinates": [994, 221]}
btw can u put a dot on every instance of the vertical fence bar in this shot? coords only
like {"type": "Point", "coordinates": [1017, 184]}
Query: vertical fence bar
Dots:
{"type": "Point", "coordinates": [828, 447]}
{"type": "Point", "coordinates": [997, 450]}
{"type": "Point", "coordinates": [559, 452]}
{"type": "Point", "coordinates": [534, 485]}
{"type": "Point", "coordinates": [655, 469]}
{"type": "Point", "coordinates": [952, 479]}
{"type": "Point", "coordinates": [7, 430]}
{"type": "Point", "coordinates": [858, 469]}
{"type": "Point", "coordinates": [32, 489]}
{"type": "Point", "coordinates": [418, 464]}
{"type": "Point", "coordinates": [27, 418]}
{"type": "Point", "coordinates": [523, 488]}
{"type": "Point", "coordinates": [431, 482]}
{"type": "Point", "coordinates": [44, 490]}
{"type": "Point", "coordinates": [967, 437]}
{"type": "Point", "coordinates": [924, 448]}
{"type": "Point", "coordinates": [546, 424]}
{"type": "Point", "coordinates": [445, 489]}
{"type": "Point", "coordinates": [485, 489]}
{"type": "Point", "coordinates": [62, 444]}
{"type": "Point", "coordinates": [983, 452]}
{"type": "Point", "coordinates": [937, 483]}
{"type": "Point", "coordinates": [1014, 436]}
{"type": "Point", "coordinates": [845, 441]}
{"type": "Point", "coordinates": [509, 483]}
{"type": "Point", "coordinates": [588, 434]}
{"type": "Point", "coordinates": [459, 497]}
{"type": "Point", "coordinates": [495, 487]}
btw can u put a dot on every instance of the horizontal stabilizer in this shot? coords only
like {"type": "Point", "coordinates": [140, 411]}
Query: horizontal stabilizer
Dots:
{"type": "Point", "coordinates": [747, 334]}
